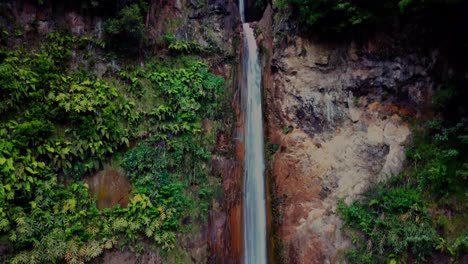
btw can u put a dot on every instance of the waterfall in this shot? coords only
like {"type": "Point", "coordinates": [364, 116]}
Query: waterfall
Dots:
{"type": "Point", "coordinates": [254, 214]}
{"type": "Point", "coordinates": [241, 10]}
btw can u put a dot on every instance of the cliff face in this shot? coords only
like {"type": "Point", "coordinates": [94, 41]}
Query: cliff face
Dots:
{"type": "Point", "coordinates": [211, 23]}
{"type": "Point", "coordinates": [208, 23]}
{"type": "Point", "coordinates": [338, 113]}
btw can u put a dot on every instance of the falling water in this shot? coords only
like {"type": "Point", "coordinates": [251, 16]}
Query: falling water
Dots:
{"type": "Point", "coordinates": [241, 10]}
{"type": "Point", "coordinates": [254, 181]}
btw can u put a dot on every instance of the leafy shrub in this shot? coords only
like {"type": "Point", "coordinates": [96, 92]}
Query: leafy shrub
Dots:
{"type": "Point", "coordinates": [127, 31]}
{"type": "Point", "coordinates": [56, 124]}
{"type": "Point", "coordinates": [340, 16]}
{"type": "Point", "coordinates": [393, 223]}
{"type": "Point", "coordinates": [190, 94]}
{"type": "Point", "coordinates": [438, 158]}
{"type": "Point", "coordinates": [145, 166]}
{"type": "Point", "coordinates": [181, 46]}
{"type": "Point", "coordinates": [459, 246]}
{"type": "Point", "coordinates": [134, 81]}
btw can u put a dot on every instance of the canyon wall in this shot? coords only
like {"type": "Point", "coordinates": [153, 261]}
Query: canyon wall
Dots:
{"type": "Point", "coordinates": [336, 119]}
{"type": "Point", "coordinates": [212, 24]}
{"type": "Point", "coordinates": [337, 116]}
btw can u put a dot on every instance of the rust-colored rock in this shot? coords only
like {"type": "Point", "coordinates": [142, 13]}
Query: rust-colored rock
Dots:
{"type": "Point", "coordinates": [110, 187]}
{"type": "Point", "coordinates": [338, 130]}
{"type": "Point", "coordinates": [225, 222]}
{"type": "Point", "coordinates": [76, 23]}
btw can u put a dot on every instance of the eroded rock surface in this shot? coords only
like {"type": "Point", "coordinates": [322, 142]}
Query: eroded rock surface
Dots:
{"type": "Point", "coordinates": [338, 114]}
{"type": "Point", "coordinates": [110, 188]}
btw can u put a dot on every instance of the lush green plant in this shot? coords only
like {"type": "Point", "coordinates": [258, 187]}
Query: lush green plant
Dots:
{"type": "Point", "coordinates": [439, 158]}
{"type": "Point", "coordinates": [190, 94]}
{"type": "Point", "coordinates": [271, 149]}
{"type": "Point", "coordinates": [459, 246]}
{"type": "Point", "coordinates": [133, 80]}
{"type": "Point", "coordinates": [393, 222]}
{"type": "Point", "coordinates": [338, 17]}
{"type": "Point", "coordinates": [129, 26]}
{"type": "Point", "coordinates": [57, 125]}
{"type": "Point", "coordinates": [181, 46]}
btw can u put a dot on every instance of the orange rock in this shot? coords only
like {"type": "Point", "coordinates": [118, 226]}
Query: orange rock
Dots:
{"type": "Point", "coordinates": [374, 106]}
{"type": "Point", "coordinates": [405, 111]}
{"type": "Point", "coordinates": [110, 187]}
{"type": "Point", "coordinates": [390, 109]}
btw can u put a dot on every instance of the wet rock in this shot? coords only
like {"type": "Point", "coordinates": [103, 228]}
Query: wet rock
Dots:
{"type": "Point", "coordinates": [348, 101]}
{"type": "Point", "coordinates": [44, 27]}
{"type": "Point", "coordinates": [27, 15]}
{"type": "Point", "coordinates": [110, 188]}
{"type": "Point", "coordinates": [76, 23]}
{"type": "Point", "coordinates": [100, 69]}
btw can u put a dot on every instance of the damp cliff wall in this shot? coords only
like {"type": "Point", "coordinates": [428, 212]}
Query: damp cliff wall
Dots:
{"type": "Point", "coordinates": [336, 116]}
{"type": "Point", "coordinates": [211, 23]}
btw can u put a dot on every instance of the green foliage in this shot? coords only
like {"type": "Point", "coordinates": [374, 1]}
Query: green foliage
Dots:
{"type": "Point", "coordinates": [57, 126]}
{"type": "Point", "coordinates": [403, 4]}
{"type": "Point", "coordinates": [271, 149]}
{"type": "Point", "coordinates": [459, 246]}
{"type": "Point", "coordinates": [181, 46]}
{"type": "Point", "coordinates": [133, 80]}
{"type": "Point", "coordinates": [191, 93]}
{"type": "Point", "coordinates": [443, 97]}
{"type": "Point", "coordinates": [146, 168]}
{"type": "Point", "coordinates": [155, 164]}
{"type": "Point", "coordinates": [338, 17]}
{"type": "Point", "coordinates": [129, 26]}
{"type": "Point", "coordinates": [393, 222]}
{"type": "Point", "coordinates": [15, 83]}
{"type": "Point", "coordinates": [177, 46]}
{"type": "Point", "coordinates": [439, 158]}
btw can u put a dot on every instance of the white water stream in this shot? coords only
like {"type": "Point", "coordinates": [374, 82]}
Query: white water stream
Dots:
{"type": "Point", "coordinates": [254, 226]}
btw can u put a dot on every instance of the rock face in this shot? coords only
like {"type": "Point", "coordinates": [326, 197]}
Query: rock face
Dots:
{"type": "Point", "coordinates": [110, 188]}
{"type": "Point", "coordinates": [338, 113]}
{"type": "Point", "coordinates": [130, 258]}
{"type": "Point", "coordinates": [212, 24]}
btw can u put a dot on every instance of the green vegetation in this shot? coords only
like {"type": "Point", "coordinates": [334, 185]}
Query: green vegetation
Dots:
{"type": "Point", "coordinates": [338, 17]}
{"type": "Point", "coordinates": [127, 31]}
{"type": "Point", "coordinates": [58, 125]}
{"type": "Point", "coordinates": [181, 46]}
{"type": "Point", "coordinates": [393, 223]}
{"type": "Point", "coordinates": [423, 210]}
